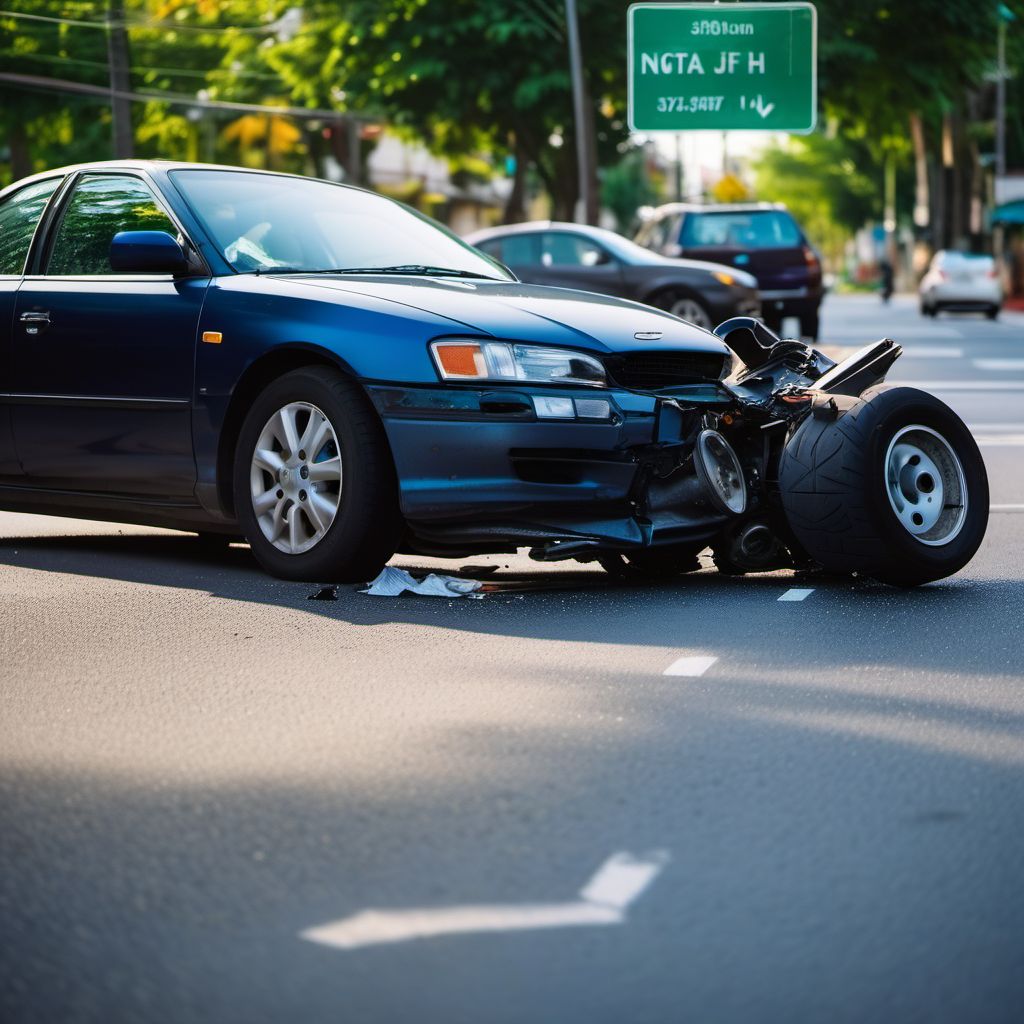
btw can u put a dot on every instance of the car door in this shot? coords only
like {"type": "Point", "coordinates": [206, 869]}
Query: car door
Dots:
{"type": "Point", "coordinates": [574, 261]}
{"type": "Point", "coordinates": [102, 363]}
{"type": "Point", "coordinates": [19, 216]}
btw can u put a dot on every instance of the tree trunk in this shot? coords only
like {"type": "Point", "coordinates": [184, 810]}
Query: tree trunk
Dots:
{"type": "Point", "coordinates": [515, 205]}
{"type": "Point", "coordinates": [120, 81]}
{"type": "Point", "coordinates": [21, 156]}
{"type": "Point", "coordinates": [922, 212]}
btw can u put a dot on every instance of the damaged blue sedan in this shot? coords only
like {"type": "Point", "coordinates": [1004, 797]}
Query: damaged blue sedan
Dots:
{"type": "Point", "coordinates": [338, 378]}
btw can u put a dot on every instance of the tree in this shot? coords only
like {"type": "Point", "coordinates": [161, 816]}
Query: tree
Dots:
{"type": "Point", "coordinates": [830, 183]}
{"type": "Point", "coordinates": [467, 76]}
{"type": "Point", "coordinates": [627, 186]}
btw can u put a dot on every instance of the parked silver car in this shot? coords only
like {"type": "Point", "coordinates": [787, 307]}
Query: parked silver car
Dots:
{"type": "Point", "coordinates": [961, 282]}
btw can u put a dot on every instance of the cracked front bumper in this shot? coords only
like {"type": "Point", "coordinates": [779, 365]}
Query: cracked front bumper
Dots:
{"type": "Point", "coordinates": [476, 465]}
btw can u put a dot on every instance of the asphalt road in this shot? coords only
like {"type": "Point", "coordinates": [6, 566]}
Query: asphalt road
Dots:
{"type": "Point", "coordinates": [198, 764]}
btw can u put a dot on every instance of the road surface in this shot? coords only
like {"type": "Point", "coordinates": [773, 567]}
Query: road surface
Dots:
{"type": "Point", "coordinates": [221, 801]}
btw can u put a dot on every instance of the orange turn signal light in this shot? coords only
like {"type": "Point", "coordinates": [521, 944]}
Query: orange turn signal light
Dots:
{"type": "Point", "coordinates": [212, 337]}
{"type": "Point", "coordinates": [461, 359]}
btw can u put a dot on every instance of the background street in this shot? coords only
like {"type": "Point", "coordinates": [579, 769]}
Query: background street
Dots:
{"type": "Point", "coordinates": [198, 763]}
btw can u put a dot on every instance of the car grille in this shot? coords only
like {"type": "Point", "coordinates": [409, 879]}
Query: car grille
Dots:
{"type": "Point", "coordinates": [648, 371]}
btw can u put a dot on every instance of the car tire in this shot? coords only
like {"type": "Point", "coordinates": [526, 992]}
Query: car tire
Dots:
{"type": "Point", "coordinates": [848, 488]}
{"type": "Point", "coordinates": [686, 307]}
{"type": "Point", "coordinates": [992, 313]}
{"type": "Point", "coordinates": [329, 514]}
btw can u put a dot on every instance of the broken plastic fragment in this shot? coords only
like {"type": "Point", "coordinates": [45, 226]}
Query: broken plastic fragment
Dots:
{"type": "Point", "coordinates": [391, 582]}
{"type": "Point", "coordinates": [324, 594]}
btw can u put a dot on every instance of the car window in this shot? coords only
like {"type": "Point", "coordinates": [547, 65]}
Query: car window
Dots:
{"type": "Point", "coordinates": [741, 229]}
{"type": "Point", "coordinates": [101, 206]}
{"type": "Point", "coordinates": [515, 250]}
{"type": "Point", "coordinates": [266, 222]}
{"type": "Point", "coordinates": [19, 215]}
{"type": "Point", "coordinates": [564, 249]}
{"type": "Point", "coordinates": [652, 234]}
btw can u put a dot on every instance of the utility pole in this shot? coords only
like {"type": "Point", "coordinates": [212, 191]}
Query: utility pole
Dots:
{"type": "Point", "coordinates": [120, 80]}
{"type": "Point", "coordinates": [1001, 94]}
{"type": "Point", "coordinates": [584, 124]}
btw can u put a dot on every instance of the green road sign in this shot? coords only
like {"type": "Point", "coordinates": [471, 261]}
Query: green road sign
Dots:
{"type": "Point", "coordinates": [722, 66]}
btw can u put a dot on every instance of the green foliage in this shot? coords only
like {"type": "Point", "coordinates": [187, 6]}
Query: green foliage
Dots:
{"type": "Point", "coordinates": [831, 184]}
{"type": "Point", "coordinates": [627, 186]}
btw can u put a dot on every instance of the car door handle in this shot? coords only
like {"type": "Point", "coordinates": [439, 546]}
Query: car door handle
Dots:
{"type": "Point", "coordinates": [35, 322]}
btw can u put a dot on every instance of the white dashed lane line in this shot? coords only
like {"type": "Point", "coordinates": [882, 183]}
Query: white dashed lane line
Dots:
{"type": "Point", "coordinates": [932, 352]}
{"type": "Point", "coordinates": [998, 365]}
{"type": "Point", "coordinates": [797, 594]}
{"type": "Point", "coordinates": [690, 665]}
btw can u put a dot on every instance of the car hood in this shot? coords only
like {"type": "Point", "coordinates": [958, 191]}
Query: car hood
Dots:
{"type": "Point", "coordinates": [525, 312]}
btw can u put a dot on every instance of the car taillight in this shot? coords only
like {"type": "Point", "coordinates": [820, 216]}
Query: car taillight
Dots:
{"type": "Point", "coordinates": [810, 258]}
{"type": "Point", "coordinates": [993, 273]}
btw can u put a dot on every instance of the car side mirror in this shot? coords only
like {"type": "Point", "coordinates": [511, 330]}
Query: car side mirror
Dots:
{"type": "Point", "coordinates": [147, 252]}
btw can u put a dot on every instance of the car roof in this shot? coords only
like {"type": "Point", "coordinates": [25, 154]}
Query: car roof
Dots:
{"type": "Point", "coordinates": [715, 208]}
{"type": "Point", "coordinates": [133, 164]}
{"type": "Point", "coordinates": [526, 227]}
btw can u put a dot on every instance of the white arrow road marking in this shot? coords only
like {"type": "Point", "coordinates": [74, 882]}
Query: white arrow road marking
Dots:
{"type": "Point", "coordinates": [690, 665]}
{"type": "Point", "coordinates": [603, 900]}
{"type": "Point", "coordinates": [796, 594]}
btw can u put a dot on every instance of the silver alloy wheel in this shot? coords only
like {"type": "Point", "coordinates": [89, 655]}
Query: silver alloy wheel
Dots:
{"type": "Point", "coordinates": [692, 311]}
{"type": "Point", "coordinates": [925, 484]}
{"type": "Point", "coordinates": [295, 478]}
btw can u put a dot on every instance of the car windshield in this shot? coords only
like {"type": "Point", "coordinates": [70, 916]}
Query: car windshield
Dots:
{"type": "Point", "coordinates": [267, 223]}
{"type": "Point", "coordinates": [741, 229]}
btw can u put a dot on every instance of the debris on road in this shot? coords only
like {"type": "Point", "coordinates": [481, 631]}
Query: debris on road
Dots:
{"type": "Point", "coordinates": [324, 594]}
{"type": "Point", "coordinates": [391, 582]}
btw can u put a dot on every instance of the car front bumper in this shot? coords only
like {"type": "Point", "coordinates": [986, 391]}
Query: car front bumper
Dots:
{"type": "Point", "coordinates": [476, 463]}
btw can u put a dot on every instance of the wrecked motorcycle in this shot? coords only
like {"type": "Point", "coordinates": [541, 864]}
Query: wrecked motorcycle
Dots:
{"type": "Point", "coordinates": [790, 461]}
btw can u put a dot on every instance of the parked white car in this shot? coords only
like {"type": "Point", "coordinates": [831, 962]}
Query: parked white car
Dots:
{"type": "Point", "coordinates": [961, 282]}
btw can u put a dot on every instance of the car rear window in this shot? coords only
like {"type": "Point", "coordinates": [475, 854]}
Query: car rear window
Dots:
{"type": "Point", "coordinates": [973, 261]}
{"type": "Point", "coordinates": [741, 229]}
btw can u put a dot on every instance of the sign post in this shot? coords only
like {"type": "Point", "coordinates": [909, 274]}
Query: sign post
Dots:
{"type": "Point", "coordinates": [722, 67]}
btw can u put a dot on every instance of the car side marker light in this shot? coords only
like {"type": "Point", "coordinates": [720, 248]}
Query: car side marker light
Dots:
{"type": "Point", "coordinates": [461, 360]}
{"type": "Point", "coordinates": [554, 408]}
{"type": "Point", "coordinates": [212, 337]}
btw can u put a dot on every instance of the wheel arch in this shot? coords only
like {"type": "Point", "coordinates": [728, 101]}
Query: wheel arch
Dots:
{"type": "Point", "coordinates": [660, 291]}
{"type": "Point", "coordinates": [261, 372]}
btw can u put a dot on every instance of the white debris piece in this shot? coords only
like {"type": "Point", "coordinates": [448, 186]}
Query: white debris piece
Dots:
{"type": "Point", "coordinates": [391, 582]}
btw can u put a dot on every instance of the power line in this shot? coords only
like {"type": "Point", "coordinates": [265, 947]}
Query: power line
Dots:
{"type": "Point", "coordinates": [139, 70]}
{"type": "Point", "coordinates": [174, 99]}
{"type": "Point", "coordinates": [128, 23]}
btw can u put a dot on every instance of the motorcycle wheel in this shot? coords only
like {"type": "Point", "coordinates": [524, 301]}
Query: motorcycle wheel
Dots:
{"type": "Point", "coordinates": [894, 488]}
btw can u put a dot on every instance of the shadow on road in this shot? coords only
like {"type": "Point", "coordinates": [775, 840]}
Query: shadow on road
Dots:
{"type": "Point", "coordinates": [846, 621]}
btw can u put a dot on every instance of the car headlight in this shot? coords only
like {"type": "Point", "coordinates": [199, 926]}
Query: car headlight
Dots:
{"type": "Point", "coordinates": [511, 361]}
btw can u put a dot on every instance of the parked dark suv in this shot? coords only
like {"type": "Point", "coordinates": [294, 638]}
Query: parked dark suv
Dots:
{"type": "Point", "coordinates": [762, 238]}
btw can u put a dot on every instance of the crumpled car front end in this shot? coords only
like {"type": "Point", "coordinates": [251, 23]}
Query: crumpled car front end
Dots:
{"type": "Point", "coordinates": [649, 452]}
